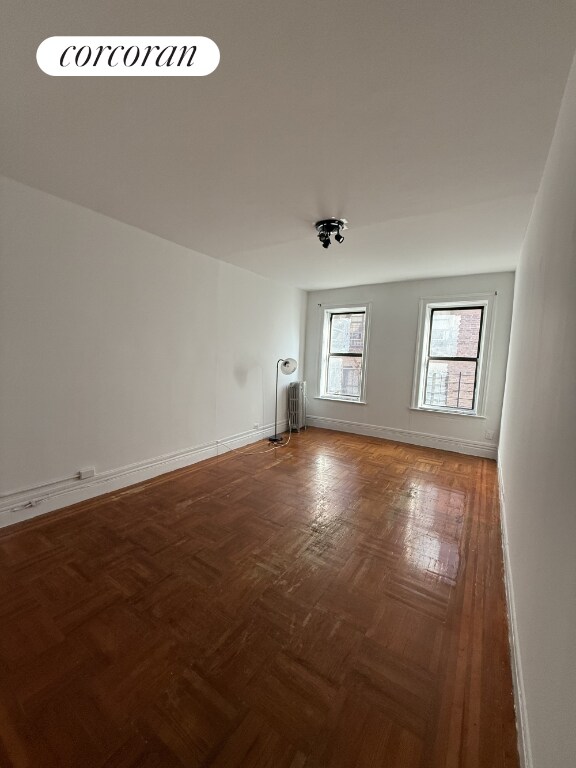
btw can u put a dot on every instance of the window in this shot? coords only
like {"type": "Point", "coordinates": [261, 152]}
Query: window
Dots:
{"type": "Point", "coordinates": [343, 359]}
{"type": "Point", "coordinates": [452, 355]}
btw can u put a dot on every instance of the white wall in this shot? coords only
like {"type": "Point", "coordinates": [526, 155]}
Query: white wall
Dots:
{"type": "Point", "coordinates": [390, 364]}
{"type": "Point", "coordinates": [118, 347]}
{"type": "Point", "coordinates": [538, 460]}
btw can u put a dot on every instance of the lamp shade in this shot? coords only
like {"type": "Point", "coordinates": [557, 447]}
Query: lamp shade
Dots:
{"type": "Point", "coordinates": [288, 366]}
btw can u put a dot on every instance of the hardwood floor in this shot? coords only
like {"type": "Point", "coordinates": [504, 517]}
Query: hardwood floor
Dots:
{"type": "Point", "coordinates": [338, 603]}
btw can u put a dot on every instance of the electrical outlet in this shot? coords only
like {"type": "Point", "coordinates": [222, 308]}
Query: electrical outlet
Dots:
{"type": "Point", "coordinates": [256, 426]}
{"type": "Point", "coordinates": [490, 434]}
{"type": "Point", "coordinates": [84, 474]}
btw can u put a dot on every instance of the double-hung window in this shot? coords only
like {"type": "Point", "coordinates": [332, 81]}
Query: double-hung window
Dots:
{"type": "Point", "coordinates": [452, 355]}
{"type": "Point", "coordinates": [343, 359]}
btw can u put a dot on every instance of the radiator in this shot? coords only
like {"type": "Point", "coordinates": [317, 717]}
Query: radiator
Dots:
{"type": "Point", "coordinates": [297, 405]}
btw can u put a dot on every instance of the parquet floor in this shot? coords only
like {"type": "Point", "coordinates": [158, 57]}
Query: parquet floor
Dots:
{"type": "Point", "coordinates": [335, 604]}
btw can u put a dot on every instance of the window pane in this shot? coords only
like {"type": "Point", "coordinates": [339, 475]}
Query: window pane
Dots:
{"type": "Point", "coordinates": [455, 332]}
{"type": "Point", "coordinates": [450, 384]}
{"type": "Point", "coordinates": [344, 376]}
{"type": "Point", "coordinates": [347, 333]}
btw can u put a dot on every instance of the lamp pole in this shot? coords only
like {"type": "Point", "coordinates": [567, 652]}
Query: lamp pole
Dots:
{"type": "Point", "coordinates": [288, 366]}
{"type": "Point", "coordinates": [276, 438]}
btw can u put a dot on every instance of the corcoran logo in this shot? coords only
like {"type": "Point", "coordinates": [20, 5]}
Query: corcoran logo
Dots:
{"type": "Point", "coordinates": [127, 56]}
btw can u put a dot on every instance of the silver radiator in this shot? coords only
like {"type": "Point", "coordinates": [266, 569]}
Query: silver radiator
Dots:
{"type": "Point", "coordinates": [297, 405]}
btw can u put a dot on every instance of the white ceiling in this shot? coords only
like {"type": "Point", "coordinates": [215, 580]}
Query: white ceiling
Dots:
{"type": "Point", "coordinates": [425, 123]}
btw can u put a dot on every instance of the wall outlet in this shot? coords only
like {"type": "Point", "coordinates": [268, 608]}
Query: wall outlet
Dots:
{"type": "Point", "coordinates": [490, 434]}
{"type": "Point", "coordinates": [84, 474]}
{"type": "Point", "coordinates": [256, 426]}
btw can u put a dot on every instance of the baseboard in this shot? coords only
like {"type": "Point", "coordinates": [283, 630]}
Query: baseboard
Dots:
{"type": "Point", "coordinates": [458, 445]}
{"type": "Point", "coordinates": [31, 502]}
{"type": "Point", "coordinates": [524, 749]}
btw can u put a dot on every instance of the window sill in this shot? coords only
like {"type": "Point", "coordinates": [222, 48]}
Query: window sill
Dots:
{"type": "Point", "coordinates": [336, 399]}
{"type": "Point", "coordinates": [446, 412]}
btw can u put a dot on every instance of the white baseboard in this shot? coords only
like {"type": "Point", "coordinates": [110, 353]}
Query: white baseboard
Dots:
{"type": "Point", "coordinates": [458, 445]}
{"type": "Point", "coordinates": [524, 749]}
{"type": "Point", "coordinates": [31, 502]}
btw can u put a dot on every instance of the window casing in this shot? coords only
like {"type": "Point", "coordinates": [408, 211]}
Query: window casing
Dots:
{"type": "Point", "coordinates": [343, 355]}
{"type": "Point", "coordinates": [452, 355]}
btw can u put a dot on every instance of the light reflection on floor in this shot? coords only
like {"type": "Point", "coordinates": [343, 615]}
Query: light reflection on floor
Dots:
{"type": "Point", "coordinates": [431, 534]}
{"type": "Point", "coordinates": [431, 516]}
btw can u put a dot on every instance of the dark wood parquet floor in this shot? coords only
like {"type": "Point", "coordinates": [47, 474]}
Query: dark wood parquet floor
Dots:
{"type": "Point", "coordinates": [338, 603]}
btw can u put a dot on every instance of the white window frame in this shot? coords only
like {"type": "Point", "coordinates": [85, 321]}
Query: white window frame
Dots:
{"type": "Point", "coordinates": [327, 311]}
{"type": "Point", "coordinates": [488, 302]}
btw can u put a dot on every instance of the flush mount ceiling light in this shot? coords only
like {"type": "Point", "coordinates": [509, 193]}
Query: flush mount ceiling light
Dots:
{"type": "Point", "coordinates": [328, 227]}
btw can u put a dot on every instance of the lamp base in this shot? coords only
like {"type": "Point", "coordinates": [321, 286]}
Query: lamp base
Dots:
{"type": "Point", "coordinates": [276, 439]}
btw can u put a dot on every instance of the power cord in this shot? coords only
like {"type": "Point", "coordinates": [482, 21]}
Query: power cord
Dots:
{"type": "Point", "coordinates": [268, 450]}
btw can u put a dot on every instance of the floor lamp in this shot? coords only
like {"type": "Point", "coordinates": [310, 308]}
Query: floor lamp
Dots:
{"type": "Point", "coordinates": [287, 365]}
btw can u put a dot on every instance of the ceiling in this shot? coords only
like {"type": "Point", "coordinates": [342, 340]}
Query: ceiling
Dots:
{"type": "Point", "coordinates": [425, 124]}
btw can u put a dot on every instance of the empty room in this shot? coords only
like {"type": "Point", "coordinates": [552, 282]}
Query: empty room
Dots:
{"type": "Point", "coordinates": [287, 384]}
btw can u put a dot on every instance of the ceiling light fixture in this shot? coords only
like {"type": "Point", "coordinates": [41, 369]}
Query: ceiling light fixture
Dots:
{"type": "Point", "coordinates": [327, 227]}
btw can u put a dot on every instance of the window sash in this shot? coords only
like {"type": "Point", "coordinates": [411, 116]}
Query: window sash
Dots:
{"type": "Point", "coordinates": [428, 396]}
{"type": "Point", "coordinates": [358, 370]}
{"type": "Point", "coordinates": [330, 355]}
{"type": "Point", "coordinates": [451, 309]}
{"type": "Point", "coordinates": [342, 314]}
